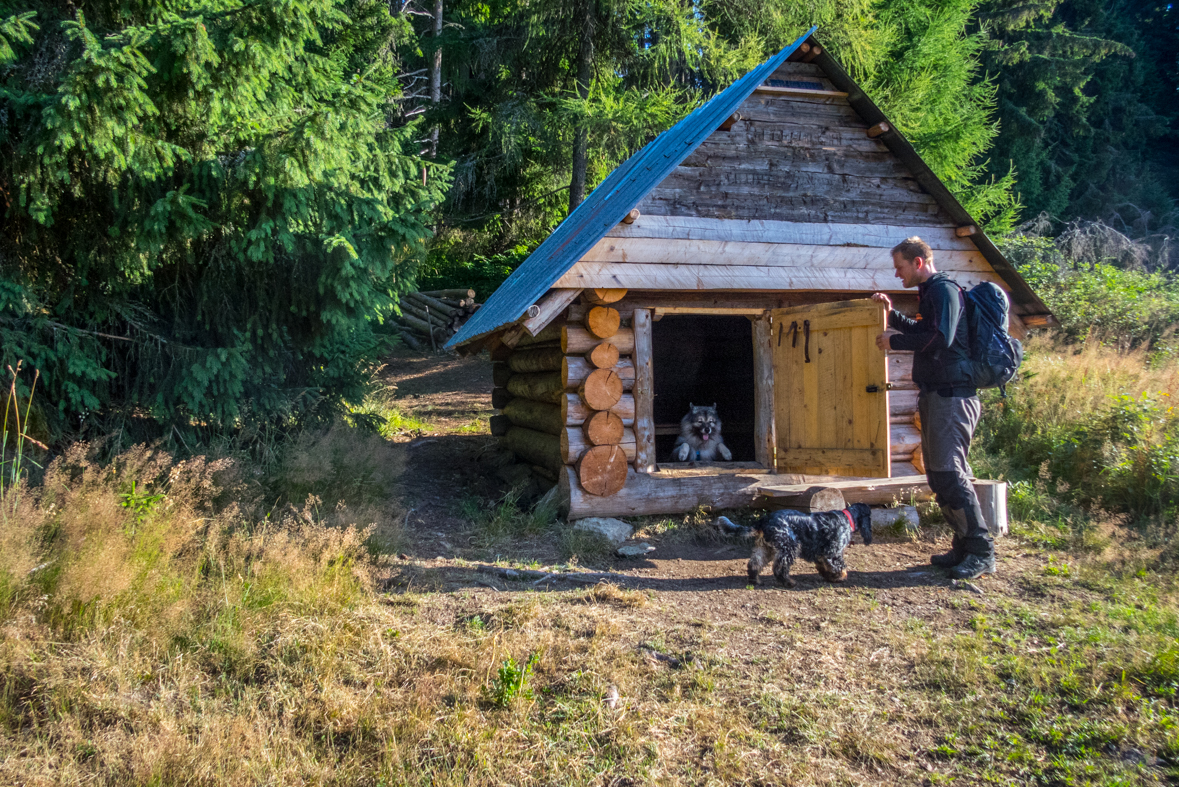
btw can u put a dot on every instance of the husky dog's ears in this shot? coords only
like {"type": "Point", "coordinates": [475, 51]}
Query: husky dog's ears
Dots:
{"type": "Point", "coordinates": [714, 405]}
{"type": "Point", "coordinates": [691, 407]}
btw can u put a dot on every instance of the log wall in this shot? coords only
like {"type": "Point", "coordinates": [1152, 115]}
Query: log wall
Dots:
{"type": "Point", "coordinates": [541, 392]}
{"type": "Point", "coordinates": [550, 385]}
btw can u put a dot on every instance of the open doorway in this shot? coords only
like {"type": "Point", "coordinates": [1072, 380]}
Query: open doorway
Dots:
{"type": "Point", "coordinates": [702, 359]}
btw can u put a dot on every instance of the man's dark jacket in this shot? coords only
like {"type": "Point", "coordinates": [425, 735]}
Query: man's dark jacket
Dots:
{"type": "Point", "coordinates": [939, 339]}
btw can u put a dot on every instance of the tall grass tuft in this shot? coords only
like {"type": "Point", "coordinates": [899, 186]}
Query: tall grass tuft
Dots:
{"type": "Point", "coordinates": [13, 460]}
{"type": "Point", "coordinates": [1093, 427]}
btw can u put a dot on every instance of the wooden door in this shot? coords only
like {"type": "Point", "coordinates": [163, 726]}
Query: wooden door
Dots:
{"type": "Point", "coordinates": [831, 390]}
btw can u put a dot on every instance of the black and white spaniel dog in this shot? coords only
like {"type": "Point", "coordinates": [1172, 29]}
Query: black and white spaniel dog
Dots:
{"type": "Point", "coordinates": [785, 536]}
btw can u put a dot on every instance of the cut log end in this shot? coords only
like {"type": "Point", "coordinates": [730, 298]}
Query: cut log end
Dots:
{"type": "Point", "coordinates": [966, 231]}
{"type": "Point", "coordinates": [603, 428]}
{"type": "Point", "coordinates": [630, 217]}
{"type": "Point", "coordinates": [879, 130]}
{"type": "Point", "coordinates": [603, 296]}
{"type": "Point", "coordinates": [604, 356]}
{"type": "Point", "coordinates": [602, 470]}
{"type": "Point", "coordinates": [602, 389]}
{"type": "Point", "coordinates": [603, 322]}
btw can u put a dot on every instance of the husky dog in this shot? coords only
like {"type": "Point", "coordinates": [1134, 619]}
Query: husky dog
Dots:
{"type": "Point", "coordinates": [785, 536]}
{"type": "Point", "coordinates": [700, 437]}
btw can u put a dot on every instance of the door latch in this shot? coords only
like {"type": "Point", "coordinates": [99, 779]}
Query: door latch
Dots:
{"type": "Point", "coordinates": [876, 388]}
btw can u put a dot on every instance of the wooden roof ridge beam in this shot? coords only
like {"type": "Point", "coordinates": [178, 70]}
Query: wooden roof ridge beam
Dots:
{"type": "Point", "coordinates": [879, 129]}
{"type": "Point", "coordinates": [966, 230]}
{"type": "Point", "coordinates": [814, 52]}
{"type": "Point", "coordinates": [632, 216]}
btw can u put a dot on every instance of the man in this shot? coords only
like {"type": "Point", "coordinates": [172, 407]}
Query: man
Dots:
{"type": "Point", "coordinates": [948, 402]}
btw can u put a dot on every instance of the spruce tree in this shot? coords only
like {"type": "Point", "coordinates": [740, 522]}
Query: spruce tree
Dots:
{"type": "Point", "coordinates": [208, 203]}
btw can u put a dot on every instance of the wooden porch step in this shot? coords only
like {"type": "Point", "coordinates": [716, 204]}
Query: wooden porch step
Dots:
{"type": "Point", "coordinates": [874, 491]}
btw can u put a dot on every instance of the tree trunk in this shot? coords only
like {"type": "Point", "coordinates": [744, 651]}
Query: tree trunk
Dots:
{"type": "Point", "coordinates": [585, 60]}
{"type": "Point", "coordinates": [436, 74]}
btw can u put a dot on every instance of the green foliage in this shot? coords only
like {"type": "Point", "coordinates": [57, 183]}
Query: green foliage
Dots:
{"type": "Point", "coordinates": [210, 203]}
{"type": "Point", "coordinates": [511, 681]}
{"type": "Point", "coordinates": [1085, 107]}
{"type": "Point", "coordinates": [511, 119]}
{"type": "Point", "coordinates": [1098, 299]}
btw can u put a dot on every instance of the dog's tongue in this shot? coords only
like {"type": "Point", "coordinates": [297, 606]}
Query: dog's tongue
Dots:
{"type": "Point", "coordinates": [704, 436]}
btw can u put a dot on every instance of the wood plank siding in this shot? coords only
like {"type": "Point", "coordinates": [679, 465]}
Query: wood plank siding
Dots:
{"type": "Point", "coordinates": [794, 196]}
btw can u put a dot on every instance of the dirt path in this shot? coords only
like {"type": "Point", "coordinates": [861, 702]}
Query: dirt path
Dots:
{"type": "Point", "coordinates": [445, 483]}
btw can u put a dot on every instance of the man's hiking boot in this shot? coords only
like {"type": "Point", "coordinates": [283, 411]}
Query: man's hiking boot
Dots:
{"type": "Point", "coordinates": [973, 566]}
{"type": "Point", "coordinates": [951, 558]}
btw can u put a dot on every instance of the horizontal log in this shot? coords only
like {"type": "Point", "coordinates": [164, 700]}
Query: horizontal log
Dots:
{"type": "Point", "coordinates": [604, 296]}
{"type": "Point", "coordinates": [421, 326]}
{"type": "Point", "coordinates": [538, 416]}
{"type": "Point", "coordinates": [602, 470]}
{"type": "Point", "coordinates": [575, 370]}
{"type": "Point", "coordinates": [574, 412]}
{"type": "Point", "coordinates": [736, 277]}
{"type": "Point", "coordinates": [784, 255]}
{"type": "Point", "coordinates": [499, 425]}
{"type": "Point", "coordinates": [500, 374]}
{"type": "Point", "coordinates": [808, 233]}
{"type": "Point", "coordinates": [900, 367]}
{"type": "Point", "coordinates": [541, 359]}
{"type": "Point", "coordinates": [436, 306]}
{"type": "Point", "coordinates": [542, 387]}
{"type": "Point", "coordinates": [550, 333]}
{"type": "Point", "coordinates": [859, 163]}
{"type": "Point", "coordinates": [574, 444]}
{"type": "Point", "coordinates": [776, 181]}
{"type": "Point", "coordinates": [644, 494]}
{"type": "Point", "coordinates": [534, 447]}
{"type": "Point", "coordinates": [878, 491]}
{"type": "Point", "coordinates": [903, 439]}
{"type": "Point", "coordinates": [602, 321]}
{"type": "Point", "coordinates": [902, 403]}
{"type": "Point", "coordinates": [459, 293]}
{"type": "Point", "coordinates": [576, 340]}
{"type": "Point", "coordinates": [441, 322]}
{"type": "Point", "coordinates": [797, 92]}
{"type": "Point", "coordinates": [500, 397]}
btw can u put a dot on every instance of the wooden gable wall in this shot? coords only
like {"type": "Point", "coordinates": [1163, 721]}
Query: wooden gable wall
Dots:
{"type": "Point", "coordinates": [794, 196]}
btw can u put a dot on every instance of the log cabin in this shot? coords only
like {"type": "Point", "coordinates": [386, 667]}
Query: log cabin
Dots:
{"type": "Point", "coordinates": [731, 261]}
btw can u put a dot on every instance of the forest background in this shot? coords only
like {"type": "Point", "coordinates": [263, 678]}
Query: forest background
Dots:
{"type": "Point", "coordinates": [210, 207]}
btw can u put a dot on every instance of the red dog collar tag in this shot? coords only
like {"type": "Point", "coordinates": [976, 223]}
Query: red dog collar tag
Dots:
{"type": "Point", "coordinates": [850, 521]}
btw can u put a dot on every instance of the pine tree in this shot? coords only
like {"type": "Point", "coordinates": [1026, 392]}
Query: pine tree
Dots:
{"type": "Point", "coordinates": [209, 203]}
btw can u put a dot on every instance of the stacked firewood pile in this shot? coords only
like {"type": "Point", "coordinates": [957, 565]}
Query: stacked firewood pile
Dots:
{"type": "Point", "coordinates": [429, 319]}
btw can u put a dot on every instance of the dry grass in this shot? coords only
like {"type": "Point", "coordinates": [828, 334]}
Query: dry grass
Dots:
{"type": "Point", "coordinates": [169, 623]}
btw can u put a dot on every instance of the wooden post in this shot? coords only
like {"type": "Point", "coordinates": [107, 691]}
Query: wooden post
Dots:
{"type": "Point", "coordinates": [644, 394]}
{"type": "Point", "coordinates": [992, 498]}
{"type": "Point", "coordinates": [764, 437]}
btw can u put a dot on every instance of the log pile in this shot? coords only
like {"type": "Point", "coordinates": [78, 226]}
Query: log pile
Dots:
{"type": "Point", "coordinates": [429, 319]}
{"type": "Point", "coordinates": [565, 398]}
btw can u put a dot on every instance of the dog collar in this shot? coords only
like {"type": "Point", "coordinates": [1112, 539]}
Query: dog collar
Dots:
{"type": "Point", "coordinates": [850, 521]}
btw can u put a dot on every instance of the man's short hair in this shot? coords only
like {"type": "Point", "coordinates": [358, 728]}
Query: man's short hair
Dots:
{"type": "Point", "coordinates": [912, 248]}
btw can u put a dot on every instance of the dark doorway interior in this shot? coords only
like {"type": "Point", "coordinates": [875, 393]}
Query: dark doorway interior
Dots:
{"type": "Point", "coordinates": [700, 360]}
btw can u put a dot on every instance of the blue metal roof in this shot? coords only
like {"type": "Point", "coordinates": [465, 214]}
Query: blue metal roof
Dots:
{"type": "Point", "coordinates": [614, 197]}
